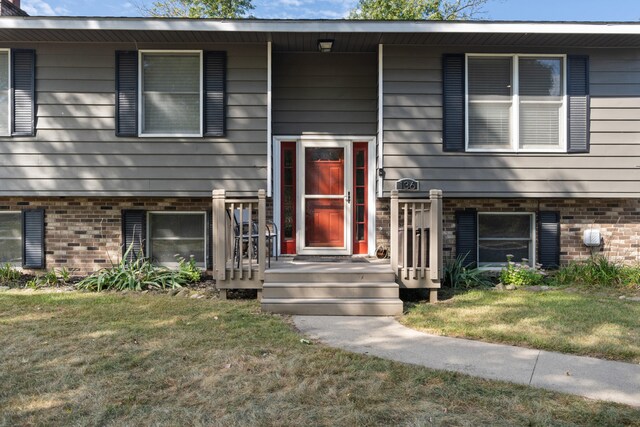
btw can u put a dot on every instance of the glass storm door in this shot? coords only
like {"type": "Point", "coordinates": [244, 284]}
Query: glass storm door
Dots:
{"type": "Point", "coordinates": [325, 198]}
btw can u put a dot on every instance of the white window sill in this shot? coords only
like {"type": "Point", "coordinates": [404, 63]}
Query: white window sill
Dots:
{"type": "Point", "coordinates": [530, 151]}
{"type": "Point", "coordinates": [169, 135]}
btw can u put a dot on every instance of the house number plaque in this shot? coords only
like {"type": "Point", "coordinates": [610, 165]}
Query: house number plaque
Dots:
{"type": "Point", "coordinates": [407, 184]}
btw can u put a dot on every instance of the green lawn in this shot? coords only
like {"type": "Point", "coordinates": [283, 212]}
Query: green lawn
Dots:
{"type": "Point", "coordinates": [106, 359]}
{"type": "Point", "coordinates": [556, 320]}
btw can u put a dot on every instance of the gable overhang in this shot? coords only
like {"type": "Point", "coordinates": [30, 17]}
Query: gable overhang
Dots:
{"type": "Point", "coordinates": [302, 35]}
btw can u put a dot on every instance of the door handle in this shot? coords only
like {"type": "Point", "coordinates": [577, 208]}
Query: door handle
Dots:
{"type": "Point", "coordinates": [348, 196]}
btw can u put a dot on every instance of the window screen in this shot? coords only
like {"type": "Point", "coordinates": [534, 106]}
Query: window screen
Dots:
{"type": "Point", "coordinates": [500, 235]}
{"type": "Point", "coordinates": [490, 102]}
{"type": "Point", "coordinates": [177, 234]}
{"type": "Point", "coordinates": [541, 101]}
{"type": "Point", "coordinates": [4, 93]}
{"type": "Point", "coordinates": [171, 96]}
{"type": "Point", "coordinates": [11, 237]}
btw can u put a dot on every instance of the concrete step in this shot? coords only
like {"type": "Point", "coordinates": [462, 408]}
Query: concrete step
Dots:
{"type": "Point", "coordinates": [328, 276]}
{"type": "Point", "coordinates": [334, 306]}
{"type": "Point", "coordinates": [359, 290]}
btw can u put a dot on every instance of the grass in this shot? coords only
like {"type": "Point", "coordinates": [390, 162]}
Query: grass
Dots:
{"type": "Point", "coordinates": [568, 322]}
{"type": "Point", "coordinates": [73, 358]}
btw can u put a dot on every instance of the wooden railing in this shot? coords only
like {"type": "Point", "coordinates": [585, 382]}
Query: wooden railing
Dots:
{"type": "Point", "coordinates": [416, 240]}
{"type": "Point", "coordinates": [239, 241]}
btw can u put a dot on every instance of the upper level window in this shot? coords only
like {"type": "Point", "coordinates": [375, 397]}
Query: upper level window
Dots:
{"type": "Point", "coordinates": [516, 103]}
{"type": "Point", "coordinates": [5, 98]}
{"type": "Point", "coordinates": [171, 93]}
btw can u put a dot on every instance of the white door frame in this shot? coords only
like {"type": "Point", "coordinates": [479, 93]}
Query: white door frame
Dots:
{"type": "Point", "coordinates": [301, 197]}
{"type": "Point", "coordinates": [303, 140]}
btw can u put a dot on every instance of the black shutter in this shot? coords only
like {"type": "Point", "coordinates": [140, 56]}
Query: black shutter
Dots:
{"type": "Point", "coordinates": [134, 233]}
{"type": "Point", "coordinates": [126, 93]}
{"type": "Point", "coordinates": [215, 66]}
{"type": "Point", "coordinates": [549, 239]}
{"type": "Point", "coordinates": [23, 85]}
{"type": "Point", "coordinates": [33, 238]}
{"type": "Point", "coordinates": [467, 236]}
{"type": "Point", "coordinates": [209, 262]}
{"type": "Point", "coordinates": [578, 115]}
{"type": "Point", "coordinates": [453, 99]}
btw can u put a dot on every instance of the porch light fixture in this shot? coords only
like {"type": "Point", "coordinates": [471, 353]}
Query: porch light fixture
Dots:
{"type": "Point", "coordinates": [325, 46]}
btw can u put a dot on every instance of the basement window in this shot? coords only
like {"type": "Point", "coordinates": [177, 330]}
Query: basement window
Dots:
{"type": "Point", "coordinates": [11, 238]}
{"type": "Point", "coordinates": [177, 234]}
{"type": "Point", "coordinates": [502, 234]}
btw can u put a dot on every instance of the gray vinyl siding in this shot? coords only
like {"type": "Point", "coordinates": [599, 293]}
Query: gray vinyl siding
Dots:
{"type": "Point", "coordinates": [75, 150]}
{"type": "Point", "coordinates": [413, 133]}
{"type": "Point", "coordinates": [328, 93]}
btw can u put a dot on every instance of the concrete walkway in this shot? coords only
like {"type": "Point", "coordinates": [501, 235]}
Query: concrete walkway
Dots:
{"type": "Point", "coordinates": [386, 338]}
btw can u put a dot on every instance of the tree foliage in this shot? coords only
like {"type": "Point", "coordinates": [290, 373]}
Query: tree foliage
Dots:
{"type": "Point", "coordinates": [437, 10]}
{"type": "Point", "coordinates": [223, 9]}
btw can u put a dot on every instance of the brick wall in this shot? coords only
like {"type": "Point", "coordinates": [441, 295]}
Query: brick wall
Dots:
{"type": "Point", "coordinates": [383, 223]}
{"type": "Point", "coordinates": [84, 234]}
{"type": "Point", "coordinates": [617, 219]}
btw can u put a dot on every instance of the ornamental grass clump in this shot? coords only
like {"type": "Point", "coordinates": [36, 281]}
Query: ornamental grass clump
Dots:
{"type": "Point", "coordinates": [598, 272]}
{"type": "Point", "coordinates": [521, 274]}
{"type": "Point", "coordinates": [457, 275]}
{"type": "Point", "coordinates": [52, 277]}
{"type": "Point", "coordinates": [141, 274]}
{"type": "Point", "coordinates": [9, 274]}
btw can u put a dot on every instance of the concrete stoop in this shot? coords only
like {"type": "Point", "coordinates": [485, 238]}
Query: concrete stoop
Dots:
{"type": "Point", "coordinates": [332, 290]}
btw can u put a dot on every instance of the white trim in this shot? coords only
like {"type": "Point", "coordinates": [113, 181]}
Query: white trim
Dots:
{"type": "Point", "coordinates": [269, 119]}
{"type": "Point", "coordinates": [301, 197]}
{"type": "Point", "coordinates": [371, 211]}
{"type": "Point", "coordinates": [312, 26]}
{"type": "Point", "coordinates": [9, 93]}
{"type": "Point", "coordinates": [532, 238]}
{"type": "Point", "coordinates": [380, 165]}
{"type": "Point", "coordinates": [515, 106]}
{"type": "Point", "coordinates": [205, 234]}
{"type": "Point", "coordinates": [277, 197]}
{"type": "Point", "coordinates": [277, 200]}
{"type": "Point", "coordinates": [141, 134]}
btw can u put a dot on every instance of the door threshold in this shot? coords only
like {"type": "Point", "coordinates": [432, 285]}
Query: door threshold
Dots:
{"type": "Point", "coordinates": [347, 259]}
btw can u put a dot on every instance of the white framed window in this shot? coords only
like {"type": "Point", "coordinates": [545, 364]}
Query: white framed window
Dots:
{"type": "Point", "coordinates": [516, 103]}
{"type": "Point", "coordinates": [502, 234]}
{"type": "Point", "coordinates": [170, 95]}
{"type": "Point", "coordinates": [172, 234]}
{"type": "Point", "coordinates": [5, 92]}
{"type": "Point", "coordinates": [11, 237]}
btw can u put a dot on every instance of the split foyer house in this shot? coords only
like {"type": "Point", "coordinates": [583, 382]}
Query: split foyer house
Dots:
{"type": "Point", "coordinates": [115, 132]}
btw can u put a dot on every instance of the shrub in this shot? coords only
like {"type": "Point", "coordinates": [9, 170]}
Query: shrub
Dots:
{"type": "Point", "coordinates": [8, 273]}
{"type": "Point", "coordinates": [597, 272]}
{"type": "Point", "coordinates": [457, 275]}
{"type": "Point", "coordinates": [140, 274]}
{"type": "Point", "coordinates": [521, 274]}
{"type": "Point", "coordinates": [188, 270]}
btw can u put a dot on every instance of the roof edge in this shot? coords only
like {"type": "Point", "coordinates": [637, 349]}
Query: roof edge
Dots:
{"type": "Point", "coordinates": [313, 26]}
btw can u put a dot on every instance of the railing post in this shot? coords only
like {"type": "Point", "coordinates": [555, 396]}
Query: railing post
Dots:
{"type": "Point", "coordinates": [435, 250]}
{"type": "Point", "coordinates": [219, 235]}
{"type": "Point", "coordinates": [262, 233]}
{"type": "Point", "coordinates": [394, 231]}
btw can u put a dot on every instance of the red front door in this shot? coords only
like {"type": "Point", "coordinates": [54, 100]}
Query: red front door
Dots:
{"type": "Point", "coordinates": [324, 197]}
